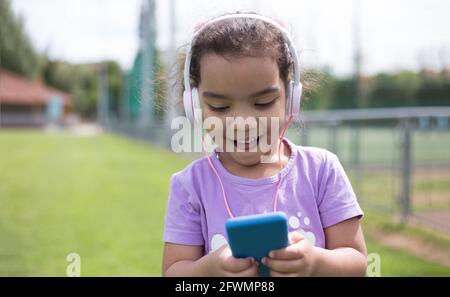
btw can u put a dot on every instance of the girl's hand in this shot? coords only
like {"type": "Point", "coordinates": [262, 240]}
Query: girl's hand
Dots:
{"type": "Point", "coordinates": [297, 259]}
{"type": "Point", "coordinates": [222, 263]}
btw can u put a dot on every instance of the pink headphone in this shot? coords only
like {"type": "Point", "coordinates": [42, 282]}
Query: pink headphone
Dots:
{"type": "Point", "coordinates": [191, 99]}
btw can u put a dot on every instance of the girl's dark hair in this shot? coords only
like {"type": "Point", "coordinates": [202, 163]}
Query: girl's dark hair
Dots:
{"type": "Point", "coordinates": [240, 37]}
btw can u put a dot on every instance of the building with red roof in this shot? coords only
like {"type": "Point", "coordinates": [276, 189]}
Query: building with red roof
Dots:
{"type": "Point", "coordinates": [25, 102]}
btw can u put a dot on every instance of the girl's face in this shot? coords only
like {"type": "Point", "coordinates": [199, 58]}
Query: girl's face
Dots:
{"type": "Point", "coordinates": [247, 87]}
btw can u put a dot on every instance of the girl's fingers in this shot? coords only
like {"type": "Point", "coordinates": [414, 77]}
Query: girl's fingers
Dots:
{"type": "Point", "coordinates": [282, 266]}
{"type": "Point", "coordinates": [252, 271]}
{"type": "Point", "coordinates": [233, 264]}
{"type": "Point", "coordinates": [295, 236]}
{"type": "Point", "coordinates": [274, 273]}
{"type": "Point", "coordinates": [294, 251]}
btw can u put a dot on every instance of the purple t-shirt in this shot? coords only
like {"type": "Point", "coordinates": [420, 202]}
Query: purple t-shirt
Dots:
{"type": "Point", "coordinates": [315, 193]}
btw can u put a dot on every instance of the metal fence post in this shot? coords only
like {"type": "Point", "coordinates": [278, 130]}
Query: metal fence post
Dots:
{"type": "Point", "coordinates": [405, 194]}
{"type": "Point", "coordinates": [355, 159]}
{"type": "Point", "coordinates": [304, 137]}
{"type": "Point", "coordinates": [333, 138]}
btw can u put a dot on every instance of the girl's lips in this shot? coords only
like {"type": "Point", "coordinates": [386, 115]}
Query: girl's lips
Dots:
{"type": "Point", "coordinates": [247, 144]}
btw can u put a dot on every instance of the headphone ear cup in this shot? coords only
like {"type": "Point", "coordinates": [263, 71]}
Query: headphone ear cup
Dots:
{"type": "Point", "coordinates": [294, 99]}
{"type": "Point", "coordinates": [197, 115]}
{"type": "Point", "coordinates": [187, 103]}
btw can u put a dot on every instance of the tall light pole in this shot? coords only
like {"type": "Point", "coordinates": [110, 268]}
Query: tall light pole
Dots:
{"type": "Point", "coordinates": [147, 50]}
{"type": "Point", "coordinates": [357, 60]}
{"type": "Point", "coordinates": [357, 55]}
{"type": "Point", "coordinates": [103, 96]}
{"type": "Point", "coordinates": [172, 69]}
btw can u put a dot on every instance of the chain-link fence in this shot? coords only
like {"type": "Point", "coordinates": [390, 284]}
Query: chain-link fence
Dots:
{"type": "Point", "coordinates": [398, 159]}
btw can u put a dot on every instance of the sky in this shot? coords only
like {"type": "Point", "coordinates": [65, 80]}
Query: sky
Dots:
{"type": "Point", "coordinates": [393, 35]}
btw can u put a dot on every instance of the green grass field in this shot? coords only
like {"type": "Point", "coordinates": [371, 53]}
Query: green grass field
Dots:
{"type": "Point", "coordinates": [104, 198]}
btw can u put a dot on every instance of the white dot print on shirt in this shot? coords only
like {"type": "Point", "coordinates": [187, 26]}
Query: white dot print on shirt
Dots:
{"type": "Point", "coordinates": [294, 223]}
{"type": "Point", "coordinates": [306, 221]}
{"type": "Point", "coordinates": [217, 241]}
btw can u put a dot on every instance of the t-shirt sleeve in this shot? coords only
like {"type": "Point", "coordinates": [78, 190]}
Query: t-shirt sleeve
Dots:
{"type": "Point", "coordinates": [337, 200]}
{"type": "Point", "coordinates": [183, 217]}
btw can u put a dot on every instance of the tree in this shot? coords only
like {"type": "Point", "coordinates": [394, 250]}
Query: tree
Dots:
{"type": "Point", "coordinates": [434, 91]}
{"type": "Point", "coordinates": [16, 51]}
{"type": "Point", "coordinates": [344, 94]}
{"type": "Point", "coordinates": [318, 88]}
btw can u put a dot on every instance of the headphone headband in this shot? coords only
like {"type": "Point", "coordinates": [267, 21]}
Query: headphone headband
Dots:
{"type": "Point", "coordinates": [276, 24]}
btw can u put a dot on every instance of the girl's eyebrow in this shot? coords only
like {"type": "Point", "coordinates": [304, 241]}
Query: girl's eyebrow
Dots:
{"type": "Point", "coordinates": [265, 91]}
{"type": "Point", "coordinates": [214, 95]}
{"type": "Point", "coordinates": [256, 94]}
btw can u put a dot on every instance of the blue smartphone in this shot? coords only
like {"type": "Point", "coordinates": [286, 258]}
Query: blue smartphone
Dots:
{"type": "Point", "coordinates": [256, 235]}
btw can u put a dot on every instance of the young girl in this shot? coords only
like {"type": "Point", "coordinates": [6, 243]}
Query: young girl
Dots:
{"type": "Point", "coordinates": [241, 66]}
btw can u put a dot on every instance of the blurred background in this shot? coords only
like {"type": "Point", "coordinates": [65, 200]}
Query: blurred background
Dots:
{"type": "Point", "coordinates": [87, 96]}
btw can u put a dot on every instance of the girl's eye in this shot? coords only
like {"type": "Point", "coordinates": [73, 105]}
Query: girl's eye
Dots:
{"type": "Point", "coordinates": [266, 104]}
{"type": "Point", "coordinates": [218, 108]}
